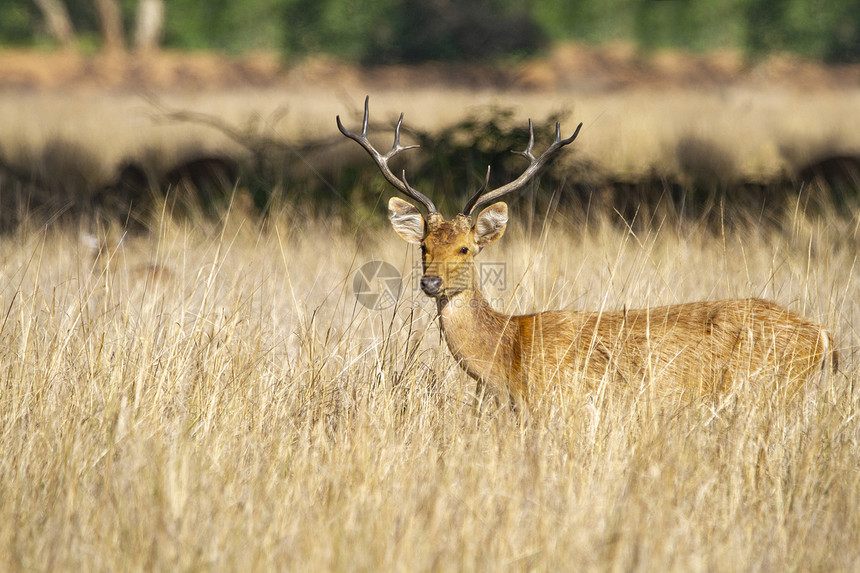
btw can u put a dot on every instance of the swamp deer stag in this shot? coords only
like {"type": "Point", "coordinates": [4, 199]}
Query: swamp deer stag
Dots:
{"type": "Point", "coordinates": [700, 347]}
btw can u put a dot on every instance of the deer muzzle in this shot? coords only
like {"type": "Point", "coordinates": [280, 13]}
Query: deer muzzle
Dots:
{"type": "Point", "coordinates": [431, 285]}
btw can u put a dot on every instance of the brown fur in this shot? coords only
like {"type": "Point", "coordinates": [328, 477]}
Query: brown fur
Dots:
{"type": "Point", "coordinates": [698, 348]}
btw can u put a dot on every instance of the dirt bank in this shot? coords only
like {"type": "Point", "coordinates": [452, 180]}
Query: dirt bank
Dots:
{"type": "Point", "coordinates": [568, 66]}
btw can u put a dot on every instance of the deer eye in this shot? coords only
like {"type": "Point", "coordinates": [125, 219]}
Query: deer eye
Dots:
{"type": "Point", "coordinates": [464, 250]}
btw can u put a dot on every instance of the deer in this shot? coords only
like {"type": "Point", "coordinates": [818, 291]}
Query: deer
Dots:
{"type": "Point", "coordinates": [698, 348]}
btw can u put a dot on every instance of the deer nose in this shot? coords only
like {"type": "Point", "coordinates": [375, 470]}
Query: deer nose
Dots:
{"type": "Point", "coordinates": [431, 285]}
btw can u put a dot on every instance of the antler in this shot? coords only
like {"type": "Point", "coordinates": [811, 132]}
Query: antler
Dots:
{"type": "Point", "coordinates": [535, 164]}
{"type": "Point", "coordinates": [382, 160]}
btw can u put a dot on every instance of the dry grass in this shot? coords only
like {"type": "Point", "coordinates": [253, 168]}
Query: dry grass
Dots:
{"type": "Point", "coordinates": [242, 412]}
{"type": "Point", "coordinates": [732, 134]}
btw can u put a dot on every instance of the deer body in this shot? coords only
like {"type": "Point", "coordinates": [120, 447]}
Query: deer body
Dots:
{"type": "Point", "coordinates": [701, 347]}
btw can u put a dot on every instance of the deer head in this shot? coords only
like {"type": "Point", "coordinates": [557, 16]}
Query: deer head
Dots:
{"type": "Point", "coordinates": [449, 247]}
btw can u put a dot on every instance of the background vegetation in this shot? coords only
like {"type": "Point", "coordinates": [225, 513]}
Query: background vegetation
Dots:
{"type": "Point", "coordinates": [412, 30]}
{"type": "Point", "coordinates": [693, 153]}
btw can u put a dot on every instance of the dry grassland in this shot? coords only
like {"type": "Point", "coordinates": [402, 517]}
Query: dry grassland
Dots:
{"type": "Point", "coordinates": [211, 396]}
{"type": "Point", "coordinates": [733, 134]}
{"type": "Point", "coordinates": [237, 410]}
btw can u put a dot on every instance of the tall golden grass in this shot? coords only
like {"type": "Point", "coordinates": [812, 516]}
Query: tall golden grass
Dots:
{"type": "Point", "coordinates": [240, 410]}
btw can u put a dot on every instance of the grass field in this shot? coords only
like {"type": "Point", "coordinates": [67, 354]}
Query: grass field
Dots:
{"type": "Point", "coordinates": [211, 396]}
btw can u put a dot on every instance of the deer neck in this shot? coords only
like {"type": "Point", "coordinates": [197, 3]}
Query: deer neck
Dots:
{"type": "Point", "coordinates": [475, 333]}
{"type": "Point", "coordinates": [465, 306]}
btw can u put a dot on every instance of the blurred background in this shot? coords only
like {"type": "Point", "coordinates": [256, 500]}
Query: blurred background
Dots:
{"type": "Point", "coordinates": [409, 31]}
{"type": "Point", "coordinates": [108, 105]}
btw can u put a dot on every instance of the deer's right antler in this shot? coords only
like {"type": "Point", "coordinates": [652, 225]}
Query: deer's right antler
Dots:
{"type": "Point", "coordinates": [535, 164]}
{"type": "Point", "coordinates": [382, 160]}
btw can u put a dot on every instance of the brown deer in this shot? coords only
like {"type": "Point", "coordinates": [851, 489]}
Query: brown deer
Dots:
{"type": "Point", "coordinates": [700, 347]}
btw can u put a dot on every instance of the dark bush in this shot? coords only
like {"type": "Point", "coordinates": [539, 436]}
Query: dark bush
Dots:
{"type": "Point", "coordinates": [461, 30]}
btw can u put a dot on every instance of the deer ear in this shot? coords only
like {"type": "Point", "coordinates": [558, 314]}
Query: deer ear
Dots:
{"type": "Point", "coordinates": [406, 220]}
{"type": "Point", "coordinates": [490, 224]}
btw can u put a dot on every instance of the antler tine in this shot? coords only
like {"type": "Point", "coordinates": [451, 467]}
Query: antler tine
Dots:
{"type": "Point", "coordinates": [408, 186]}
{"type": "Point", "coordinates": [366, 119]}
{"type": "Point", "coordinates": [535, 164]}
{"type": "Point", "coordinates": [382, 160]}
{"type": "Point", "coordinates": [531, 145]}
{"type": "Point", "coordinates": [470, 204]}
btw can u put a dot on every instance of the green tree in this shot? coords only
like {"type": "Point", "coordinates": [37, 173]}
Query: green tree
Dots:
{"type": "Point", "coordinates": [828, 30]}
{"type": "Point", "coordinates": [420, 30]}
{"type": "Point", "coordinates": [479, 29]}
{"type": "Point", "coordinates": [699, 26]}
{"type": "Point", "coordinates": [593, 21]}
{"type": "Point", "coordinates": [345, 28]}
{"type": "Point", "coordinates": [19, 20]}
{"type": "Point", "coordinates": [410, 30]}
